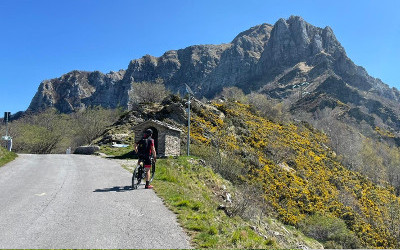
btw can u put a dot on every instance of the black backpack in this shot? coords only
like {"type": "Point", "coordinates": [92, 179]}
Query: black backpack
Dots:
{"type": "Point", "coordinates": [144, 148]}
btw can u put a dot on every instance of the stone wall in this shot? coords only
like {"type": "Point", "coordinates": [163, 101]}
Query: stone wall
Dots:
{"type": "Point", "coordinates": [86, 150]}
{"type": "Point", "coordinates": [174, 143]}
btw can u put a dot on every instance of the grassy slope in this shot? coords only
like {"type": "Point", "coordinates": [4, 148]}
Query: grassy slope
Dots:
{"type": "Point", "coordinates": [6, 156]}
{"type": "Point", "coordinates": [194, 192]}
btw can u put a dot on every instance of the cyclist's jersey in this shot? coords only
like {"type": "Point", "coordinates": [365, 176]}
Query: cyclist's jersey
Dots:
{"type": "Point", "coordinates": [146, 157]}
{"type": "Point", "coordinates": [151, 145]}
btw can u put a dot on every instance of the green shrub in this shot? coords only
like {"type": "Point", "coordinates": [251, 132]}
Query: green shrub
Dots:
{"type": "Point", "coordinates": [332, 231]}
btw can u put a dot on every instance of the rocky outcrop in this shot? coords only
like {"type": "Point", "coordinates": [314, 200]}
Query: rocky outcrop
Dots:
{"type": "Point", "coordinates": [79, 89]}
{"type": "Point", "coordinates": [272, 59]}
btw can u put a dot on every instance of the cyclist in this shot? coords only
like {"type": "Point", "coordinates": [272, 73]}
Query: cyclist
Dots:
{"type": "Point", "coordinates": [145, 148]}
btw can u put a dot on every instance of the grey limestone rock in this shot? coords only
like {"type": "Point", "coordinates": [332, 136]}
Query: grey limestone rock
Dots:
{"type": "Point", "coordinates": [266, 58]}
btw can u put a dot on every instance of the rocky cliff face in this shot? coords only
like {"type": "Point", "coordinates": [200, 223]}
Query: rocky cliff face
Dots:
{"type": "Point", "coordinates": [79, 89]}
{"type": "Point", "coordinates": [272, 59]}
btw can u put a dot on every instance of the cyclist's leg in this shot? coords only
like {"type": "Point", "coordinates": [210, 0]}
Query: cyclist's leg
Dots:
{"type": "Point", "coordinates": [147, 167]}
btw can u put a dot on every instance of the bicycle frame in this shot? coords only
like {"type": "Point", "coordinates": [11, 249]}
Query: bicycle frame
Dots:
{"type": "Point", "coordinates": [139, 173]}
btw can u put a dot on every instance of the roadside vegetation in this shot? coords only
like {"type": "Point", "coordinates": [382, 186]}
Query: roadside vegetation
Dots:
{"type": "Point", "coordinates": [50, 132]}
{"type": "Point", "coordinates": [6, 156]}
{"type": "Point", "coordinates": [211, 209]}
{"type": "Point", "coordinates": [117, 152]}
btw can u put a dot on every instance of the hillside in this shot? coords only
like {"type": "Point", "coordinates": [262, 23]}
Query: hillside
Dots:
{"type": "Point", "coordinates": [198, 196]}
{"type": "Point", "coordinates": [287, 171]}
{"type": "Point", "coordinates": [299, 174]}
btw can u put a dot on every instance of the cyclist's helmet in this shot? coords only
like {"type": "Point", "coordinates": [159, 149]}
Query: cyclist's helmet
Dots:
{"type": "Point", "coordinates": [148, 132]}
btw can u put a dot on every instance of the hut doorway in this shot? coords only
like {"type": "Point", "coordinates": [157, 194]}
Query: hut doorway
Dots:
{"type": "Point", "coordinates": [155, 136]}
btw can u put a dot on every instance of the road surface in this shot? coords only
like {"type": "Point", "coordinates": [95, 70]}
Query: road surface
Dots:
{"type": "Point", "coordinates": [75, 201]}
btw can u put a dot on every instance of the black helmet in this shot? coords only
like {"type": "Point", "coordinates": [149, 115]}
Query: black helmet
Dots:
{"type": "Point", "coordinates": [148, 132]}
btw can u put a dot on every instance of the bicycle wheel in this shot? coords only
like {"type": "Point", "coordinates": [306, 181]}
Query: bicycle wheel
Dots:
{"type": "Point", "coordinates": [137, 177]}
{"type": "Point", "coordinates": [153, 170]}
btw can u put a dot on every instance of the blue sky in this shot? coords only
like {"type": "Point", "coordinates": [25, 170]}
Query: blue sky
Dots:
{"type": "Point", "coordinates": [43, 39]}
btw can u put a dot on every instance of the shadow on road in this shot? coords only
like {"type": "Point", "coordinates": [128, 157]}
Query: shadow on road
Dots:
{"type": "Point", "coordinates": [114, 189]}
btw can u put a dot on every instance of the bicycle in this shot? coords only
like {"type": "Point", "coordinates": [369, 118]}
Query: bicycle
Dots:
{"type": "Point", "coordinates": [139, 173]}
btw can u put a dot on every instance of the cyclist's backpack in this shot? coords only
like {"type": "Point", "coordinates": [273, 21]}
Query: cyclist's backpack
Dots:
{"type": "Point", "coordinates": [144, 148]}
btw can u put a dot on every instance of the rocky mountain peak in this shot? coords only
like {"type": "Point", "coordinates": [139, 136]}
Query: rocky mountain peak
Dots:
{"type": "Point", "coordinates": [294, 40]}
{"type": "Point", "coordinates": [260, 32]}
{"type": "Point", "coordinates": [271, 59]}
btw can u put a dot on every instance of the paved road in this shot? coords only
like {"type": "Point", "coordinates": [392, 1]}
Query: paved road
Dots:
{"type": "Point", "coordinates": [73, 201]}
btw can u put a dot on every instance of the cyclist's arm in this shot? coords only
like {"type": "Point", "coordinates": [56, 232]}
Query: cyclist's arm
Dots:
{"type": "Point", "coordinates": [153, 151]}
{"type": "Point", "coordinates": [136, 146]}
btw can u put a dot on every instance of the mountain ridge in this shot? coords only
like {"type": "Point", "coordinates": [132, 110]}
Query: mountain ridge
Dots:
{"type": "Point", "coordinates": [269, 59]}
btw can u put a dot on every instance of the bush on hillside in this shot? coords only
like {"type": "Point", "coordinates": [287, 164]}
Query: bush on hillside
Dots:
{"type": "Point", "coordinates": [39, 133]}
{"type": "Point", "coordinates": [332, 231]}
{"type": "Point", "coordinates": [147, 92]}
{"type": "Point", "coordinates": [233, 94]}
{"type": "Point", "coordinates": [268, 108]}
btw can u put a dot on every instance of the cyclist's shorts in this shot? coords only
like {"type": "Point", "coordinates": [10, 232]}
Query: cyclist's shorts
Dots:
{"type": "Point", "coordinates": [147, 162]}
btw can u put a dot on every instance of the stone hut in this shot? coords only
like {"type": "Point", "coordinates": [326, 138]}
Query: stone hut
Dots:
{"type": "Point", "coordinates": [167, 139]}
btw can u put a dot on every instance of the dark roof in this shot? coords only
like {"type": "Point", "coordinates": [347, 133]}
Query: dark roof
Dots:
{"type": "Point", "coordinates": [158, 123]}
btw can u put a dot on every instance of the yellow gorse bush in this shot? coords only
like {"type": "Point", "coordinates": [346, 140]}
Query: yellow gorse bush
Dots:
{"type": "Point", "coordinates": [300, 174]}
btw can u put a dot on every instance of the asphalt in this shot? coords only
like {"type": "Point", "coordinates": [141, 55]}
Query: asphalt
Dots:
{"type": "Point", "coordinates": [75, 201]}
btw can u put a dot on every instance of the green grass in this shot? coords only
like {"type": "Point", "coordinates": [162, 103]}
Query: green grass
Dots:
{"type": "Point", "coordinates": [121, 153]}
{"type": "Point", "coordinates": [189, 190]}
{"type": "Point", "coordinates": [6, 156]}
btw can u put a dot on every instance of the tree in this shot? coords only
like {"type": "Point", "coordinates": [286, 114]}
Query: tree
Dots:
{"type": "Point", "coordinates": [147, 92]}
{"type": "Point", "coordinates": [345, 140]}
{"type": "Point", "coordinates": [392, 162]}
{"type": "Point", "coordinates": [233, 94]}
{"type": "Point", "coordinates": [372, 162]}
{"type": "Point", "coordinates": [39, 133]}
{"type": "Point", "coordinates": [273, 110]}
{"type": "Point", "coordinates": [91, 123]}
{"type": "Point", "coordinates": [51, 132]}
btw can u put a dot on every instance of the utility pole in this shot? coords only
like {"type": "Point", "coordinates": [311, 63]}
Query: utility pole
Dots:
{"type": "Point", "coordinates": [190, 92]}
{"type": "Point", "coordinates": [7, 138]}
{"type": "Point", "coordinates": [301, 91]}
